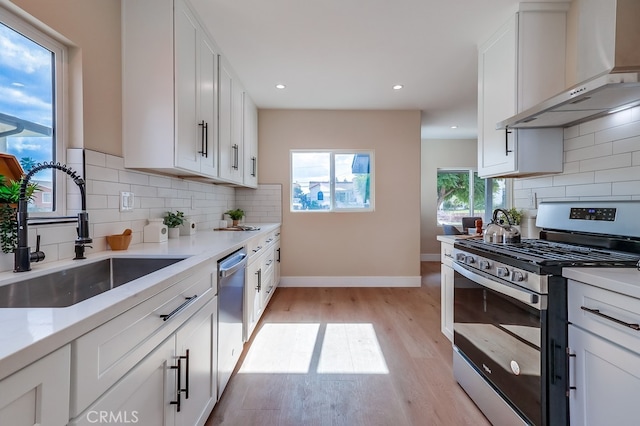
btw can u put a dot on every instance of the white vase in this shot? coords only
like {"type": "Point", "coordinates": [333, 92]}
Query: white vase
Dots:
{"type": "Point", "coordinates": [174, 232]}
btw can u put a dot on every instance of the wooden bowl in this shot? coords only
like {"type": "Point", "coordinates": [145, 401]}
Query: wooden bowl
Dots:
{"type": "Point", "coordinates": [119, 242]}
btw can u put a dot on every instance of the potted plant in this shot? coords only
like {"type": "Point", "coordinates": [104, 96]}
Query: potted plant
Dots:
{"type": "Point", "coordinates": [9, 195]}
{"type": "Point", "coordinates": [515, 216]}
{"type": "Point", "coordinates": [173, 221]}
{"type": "Point", "coordinates": [235, 215]}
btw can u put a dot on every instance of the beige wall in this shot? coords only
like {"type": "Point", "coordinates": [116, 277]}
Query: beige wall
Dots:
{"type": "Point", "coordinates": [92, 29]}
{"type": "Point", "coordinates": [382, 243]}
{"type": "Point", "coordinates": [439, 154]}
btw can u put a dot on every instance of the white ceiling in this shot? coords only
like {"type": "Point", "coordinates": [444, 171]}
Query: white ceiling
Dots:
{"type": "Point", "coordinates": [347, 54]}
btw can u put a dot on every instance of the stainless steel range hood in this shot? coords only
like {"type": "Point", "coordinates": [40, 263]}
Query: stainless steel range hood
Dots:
{"type": "Point", "coordinates": [607, 42]}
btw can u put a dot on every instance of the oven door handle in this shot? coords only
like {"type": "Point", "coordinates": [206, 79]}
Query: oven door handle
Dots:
{"type": "Point", "coordinates": [532, 299]}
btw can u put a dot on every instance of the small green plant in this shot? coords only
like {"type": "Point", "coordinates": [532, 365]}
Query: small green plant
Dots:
{"type": "Point", "coordinates": [515, 216]}
{"type": "Point", "coordinates": [235, 214]}
{"type": "Point", "coordinates": [173, 220]}
{"type": "Point", "coordinates": [9, 195]}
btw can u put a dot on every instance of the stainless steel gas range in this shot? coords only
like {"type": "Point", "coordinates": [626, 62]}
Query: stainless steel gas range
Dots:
{"type": "Point", "coordinates": [510, 307]}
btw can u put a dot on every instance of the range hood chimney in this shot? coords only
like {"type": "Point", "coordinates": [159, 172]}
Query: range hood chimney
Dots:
{"type": "Point", "coordinates": [608, 64]}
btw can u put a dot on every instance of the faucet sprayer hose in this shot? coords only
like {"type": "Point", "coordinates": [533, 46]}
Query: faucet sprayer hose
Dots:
{"type": "Point", "coordinates": [77, 179]}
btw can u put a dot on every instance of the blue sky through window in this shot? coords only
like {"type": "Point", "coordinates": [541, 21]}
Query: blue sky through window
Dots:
{"type": "Point", "coordinates": [26, 92]}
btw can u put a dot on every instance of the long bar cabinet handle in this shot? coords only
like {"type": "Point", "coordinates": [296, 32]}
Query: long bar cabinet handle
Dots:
{"type": "Point", "coordinates": [616, 320]}
{"type": "Point", "coordinates": [506, 142]}
{"type": "Point", "coordinates": [179, 308]}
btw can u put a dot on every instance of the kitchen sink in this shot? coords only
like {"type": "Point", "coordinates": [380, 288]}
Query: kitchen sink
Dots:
{"type": "Point", "coordinates": [70, 286]}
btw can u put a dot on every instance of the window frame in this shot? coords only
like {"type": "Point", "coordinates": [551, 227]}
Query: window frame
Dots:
{"type": "Point", "coordinates": [333, 153]}
{"type": "Point", "coordinates": [471, 171]}
{"type": "Point", "coordinates": [28, 27]}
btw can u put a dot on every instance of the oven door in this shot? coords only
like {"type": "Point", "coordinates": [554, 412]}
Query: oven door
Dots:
{"type": "Point", "coordinates": [497, 328]}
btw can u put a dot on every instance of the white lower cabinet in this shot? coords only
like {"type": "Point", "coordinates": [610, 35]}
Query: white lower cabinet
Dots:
{"type": "Point", "coordinates": [606, 380]}
{"type": "Point", "coordinates": [39, 393]}
{"type": "Point", "coordinates": [604, 356]}
{"type": "Point", "coordinates": [197, 341]}
{"type": "Point", "coordinates": [142, 396]}
{"type": "Point", "coordinates": [173, 385]}
{"type": "Point", "coordinates": [262, 278]}
{"type": "Point", "coordinates": [446, 290]}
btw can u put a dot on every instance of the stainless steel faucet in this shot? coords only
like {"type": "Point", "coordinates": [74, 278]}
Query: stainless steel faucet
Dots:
{"type": "Point", "coordinates": [23, 255]}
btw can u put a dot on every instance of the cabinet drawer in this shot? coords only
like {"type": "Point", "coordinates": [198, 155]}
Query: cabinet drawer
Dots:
{"type": "Point", "coordinates": [446, 254]}
{"type": "Point", "coordinates": [608, 313]}
{"type": "Point", "coordinates": [256, 246]}
{"type": "Point", "coordinates": [102, 356]}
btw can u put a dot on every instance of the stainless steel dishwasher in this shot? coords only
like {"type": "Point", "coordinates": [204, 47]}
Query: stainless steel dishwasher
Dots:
{"type": "Point", "coordinates": [231, 272]}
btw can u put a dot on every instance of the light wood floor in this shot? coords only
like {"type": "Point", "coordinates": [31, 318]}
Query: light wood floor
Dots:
{"type": "Point", "coordinates": [348, 356]}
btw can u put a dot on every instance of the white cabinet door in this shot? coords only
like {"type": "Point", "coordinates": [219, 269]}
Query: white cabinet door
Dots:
{"type": "Point", "coordinates": [169, 90]}
{"type": "Point", "coordinates": [497, 99]}
{"type": "Point", "coordinates": [250, 142]}
{"type": "Point", "coordinates": [195, 65]}
{"type": "Point", "coordinates": [208, 102]}
{"type": "Point", "coordinates": [252, 296]}
{"type": "Point", "coordinates": [146, 395]}
{"type": "Point", "coordinates": [276, 267]}
{"type": "Point", "coordinates": [606, 379]}
{"type": "Point", "coordinates": [446, 301]}
{"type": "Point", "coordinates": [196, 341]}
{"type": "Point", "coordinates": [39, 393]}
{"type": "Point", "coordinates": [231, 122]}
{"type": "Point", "coordinates": [520, 65]}
{"type": "Point", "coordinates": [187, 35]}
{"type": "Point", "coordinates": [446, 290]}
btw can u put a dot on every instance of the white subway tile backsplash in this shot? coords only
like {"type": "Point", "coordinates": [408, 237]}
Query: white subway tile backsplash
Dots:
{"type": "Point", "coordinates": [608, 162]}
{"type": "Point", "coordinates": [620, 132]}
{"type": "Point", "coordinates": [601, 189]}
{"type": "Point", "coordinates": [626, 145]}
{"type": "Point", "coordinates": [106, 177]}
{"type": "Point", "coordinates": [101, 173]}
{"type": "Point", "coordinates": [571, 132]}
{"type": "Point", "coordinates": [573, 179]}
{"type": "Point", "coordinates": [607, 169]}
{"type": "Point", "coordinates": [133, 177]}
{"type": "Point", "coordinates": [579, 142]}
{"type": "Point", "coordinates": [626, 188]}
{"type": "Point", "coordinates": [95, 158]}
{"type": "Point", "coordinates": [606, 122]}
{"type": "Point", "coordinates": [595, 151]}
{"type": "Point", "coordinates": [618, 175]}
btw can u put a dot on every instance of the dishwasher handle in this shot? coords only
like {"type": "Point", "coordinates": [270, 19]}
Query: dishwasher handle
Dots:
{"type": "Point", "coordinates": [232, 264]}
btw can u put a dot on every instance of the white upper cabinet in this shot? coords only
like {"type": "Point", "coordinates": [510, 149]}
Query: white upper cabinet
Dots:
{"type": "Point", "coordinates": [179, 115]}
{"type": "Point", "coordinates": [196, 97]}
{"type": "Point", "coordinates": [522, 64]}
{"type": "Point", "coordinates": [231, 98]}
{"type": "Point", "coordinates": [250, 142]}
{"type": "Point", "coordinates": [169, 116]}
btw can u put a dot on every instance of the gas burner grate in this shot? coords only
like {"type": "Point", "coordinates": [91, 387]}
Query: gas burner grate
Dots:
{"type": "Point", "coordinates": [542, 252]}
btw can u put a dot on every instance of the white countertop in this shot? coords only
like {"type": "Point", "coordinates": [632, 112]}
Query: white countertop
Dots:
{"type": "Point", "coordinates": [28, 334]}
{"type": "Point", "coordinates": [621, 280]}
{"type": "Point", "coordinates": [452, 238]}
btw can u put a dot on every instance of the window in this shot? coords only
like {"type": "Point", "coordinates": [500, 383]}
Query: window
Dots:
{"type": "Point", "coordinates": [462, 193]}
{"type": "Point", "coordinates": [31, 103]}
{"type": "Point", "coordinates": [338, 180]}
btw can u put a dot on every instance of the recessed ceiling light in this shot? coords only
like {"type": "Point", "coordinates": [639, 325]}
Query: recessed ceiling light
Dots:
{"type": "Point", "coordinates": [398, 87]}
{"type": "Point", "coordinates": [280, 86]}
{"type": "Point", "coordinates": [454, 127]}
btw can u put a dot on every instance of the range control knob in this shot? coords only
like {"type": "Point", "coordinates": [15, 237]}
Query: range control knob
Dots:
{"type": "Point", "coordinates": [502, 271]}
{"type": "Point", "coordinates": [470, 260]}
{"type": "Point", "coordinates": [460, 257]}
{"type": "Point", "coordinates": [485, 264]}
{"type": "Point", "coordinates": [518, 276]}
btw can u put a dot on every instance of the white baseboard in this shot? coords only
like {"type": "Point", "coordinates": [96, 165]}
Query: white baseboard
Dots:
{"type": "Point", "coordinates": [430, 257]}
{"type": "Point", "coordinates": [350, 281]}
